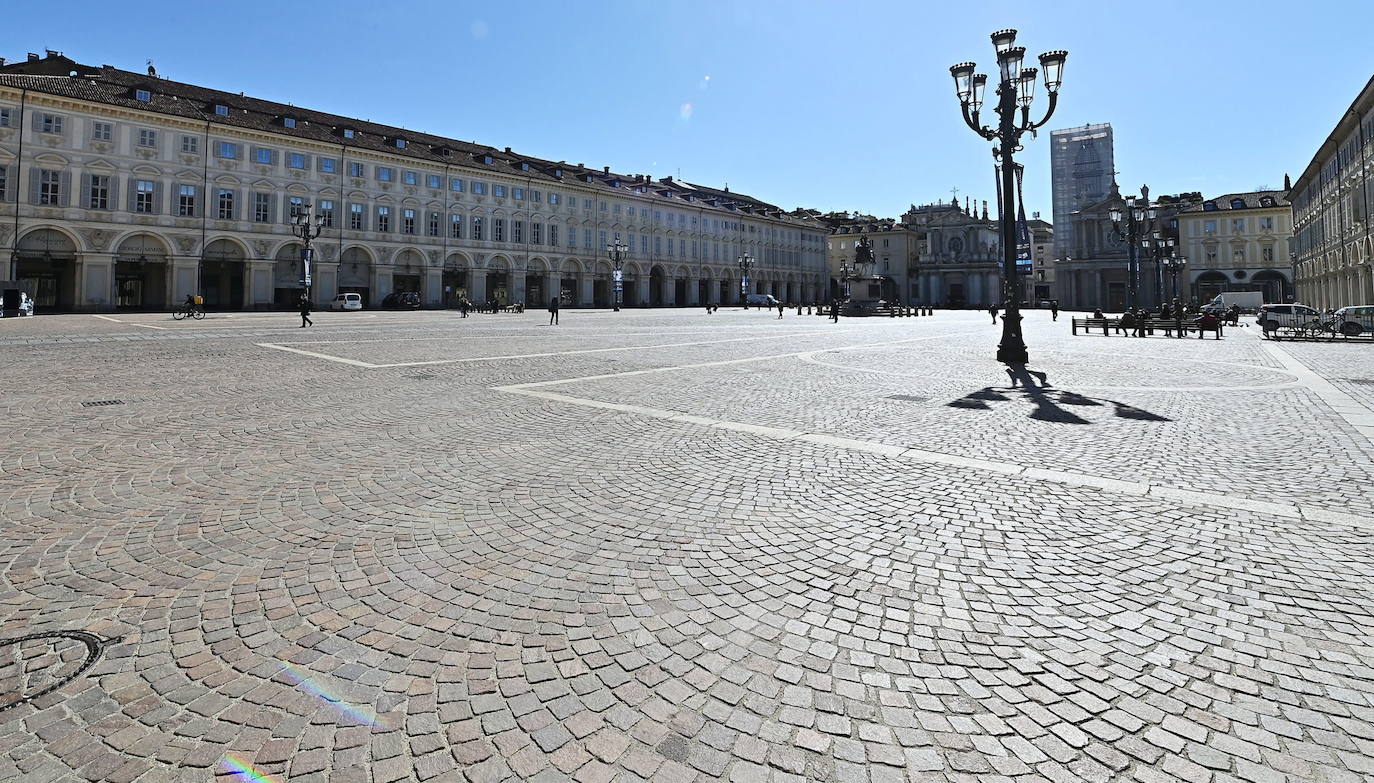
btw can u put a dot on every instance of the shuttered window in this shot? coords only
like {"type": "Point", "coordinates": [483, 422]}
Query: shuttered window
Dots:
{"type": "Point", "coordinates": [49, 187]}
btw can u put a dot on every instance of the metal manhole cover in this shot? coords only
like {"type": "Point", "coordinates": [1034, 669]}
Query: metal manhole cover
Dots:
{"type": "Point", "coordinates": [908, 398]}
{"type": "Point", "coordinates": [99, 403]}
{"type": "Point", "coordinates": [40, 663]}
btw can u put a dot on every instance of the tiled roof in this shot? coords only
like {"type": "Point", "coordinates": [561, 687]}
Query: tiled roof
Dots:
{"type": "Point", "coordinates": [1249, 200]}
{"type": "Point", "coordinates": [59, 75]}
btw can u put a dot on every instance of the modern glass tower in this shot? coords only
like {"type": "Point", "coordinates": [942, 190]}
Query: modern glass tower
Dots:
{"type": "Point", "coordinates": [1082, 172]}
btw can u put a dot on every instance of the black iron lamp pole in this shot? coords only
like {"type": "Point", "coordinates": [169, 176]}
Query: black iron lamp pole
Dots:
{"type": "Point", "coordinates": [1016, 89]}
{"type": "Point", "coordinates": [1173, 265]}
{"type": "Point", "coordinates": [1137, 218]}
{"type": "Point", "coordinates": [307, 225]}
{"type": "Point", "coordinates": [617, 253]}
{"type": "Point", "coordinates": [1158, 245]}
{"type": "Point", "coordinates": [746, 262]}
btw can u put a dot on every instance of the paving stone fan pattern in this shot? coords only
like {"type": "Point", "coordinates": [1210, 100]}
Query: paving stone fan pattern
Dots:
{"type": "Point", "coordinates": [321, 571]}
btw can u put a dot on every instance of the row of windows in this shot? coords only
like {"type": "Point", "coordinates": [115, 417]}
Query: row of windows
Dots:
{"type": "Point", "coordinates": [145, 197]}
{"type": "Point", "coordinates": [1266, 223]}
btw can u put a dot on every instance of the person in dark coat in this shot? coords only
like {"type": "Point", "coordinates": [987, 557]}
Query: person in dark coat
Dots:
{"type": "Point", "coordinates": [992, 311]}
{"type": "Point", "coordinates": [1054, 309]}
{"type": "Point", "coordinates": [553, 311]}
{"type": "Point", "coordinates": [305, 312]}
{"type": "Point", "coordinates": [780, 306]}
{"type": "Point", "coordinates": [835, 310]}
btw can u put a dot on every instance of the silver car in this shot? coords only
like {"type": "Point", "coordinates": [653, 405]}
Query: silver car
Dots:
{"type": "Point", "coordinates": [1355, 321]}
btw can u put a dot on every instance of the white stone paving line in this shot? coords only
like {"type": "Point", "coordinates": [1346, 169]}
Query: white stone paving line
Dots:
{"type": "Point", "coordinates": [1350, 409]}
{"type": "Point", "coordinates": [545, 354]}
{"type": "Point", "coordinates": [1182, 496]}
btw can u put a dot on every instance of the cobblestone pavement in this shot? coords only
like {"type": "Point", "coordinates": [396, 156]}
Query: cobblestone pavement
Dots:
{"type": "Point", "coordinates": [668, 546]}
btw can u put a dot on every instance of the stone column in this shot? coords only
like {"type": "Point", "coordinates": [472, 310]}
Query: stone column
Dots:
{"type": "Point", "coordinates": [326, 282]}
{"type": "Point", "coordinates": [669, 291]}
{"type": "Point", "coordinates": [642, 291]}
{"type": "Point", "coordinates": [433, 286]}
{"type": "Point", "coordinates": [552, 283]}
{"type": "Point", "coordinates": [517, 286]}
{"type": "Point", "coordinates": [99, 286]}
{"type": "Point", "coordinates": [260, 289]}
{"type": "Point", "coordinates": [477, 291]}
{"type": "Point", "coordinates": [586, 290]}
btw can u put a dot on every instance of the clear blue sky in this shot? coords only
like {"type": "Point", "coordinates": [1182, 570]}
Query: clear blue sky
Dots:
{"type": "Point", "coordinates": [832, 105]}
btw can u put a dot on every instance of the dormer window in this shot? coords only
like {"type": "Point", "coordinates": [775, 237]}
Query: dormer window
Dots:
{"type": "Point", "coordinates": [349, 133]}
{"type": "Point", "coordinates": [400, 144]}
{"type": "Point", "coordinates": [524, 166]}
{"type": "Point", "coordinates": [558, 173]}
{"type": "Point", "coordinates": [221, 110]}
{"type": "Point", "coordinates": [288, 122]}
{"type": "Point", "coordinates": [1209, 206]}
{"type": "Point", "coordinates": [486, 159]}
{"type": "Point", "coordinates": [143, 95]}
{"type": "Point", "coordinates": [1267, 201]}
{"type": "Point", "coordinates": [1237, 203]}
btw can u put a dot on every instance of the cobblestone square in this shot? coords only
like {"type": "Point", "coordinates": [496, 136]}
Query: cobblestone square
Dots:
{"type": "Point", "coordinates": [671, 546]}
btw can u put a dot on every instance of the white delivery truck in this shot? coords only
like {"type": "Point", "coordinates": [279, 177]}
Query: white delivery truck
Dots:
{"type": "Point", "coordinates": [1249, 301]}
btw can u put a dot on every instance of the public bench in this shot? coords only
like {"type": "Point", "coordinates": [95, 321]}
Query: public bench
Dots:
{"type": "Point", "coordinates": [1152, 325]}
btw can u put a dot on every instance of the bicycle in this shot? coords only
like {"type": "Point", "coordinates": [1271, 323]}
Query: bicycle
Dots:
{"type": "Point", "coordinates": [189, 311]}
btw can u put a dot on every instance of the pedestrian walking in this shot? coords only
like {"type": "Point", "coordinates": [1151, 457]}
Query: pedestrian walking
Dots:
{"type": "Point", "coordinates": [992, 311]}
{"type": "Point", "coordinates": [305, 312]}
{"type": "Point", "coordinates": [553, 311]}
{"type": "Point", "coordinates": [835, 310]}
{"type": "Point", "coordinates": [1054, 309]}
{"type": "Point", "coordinates": [780, 306]}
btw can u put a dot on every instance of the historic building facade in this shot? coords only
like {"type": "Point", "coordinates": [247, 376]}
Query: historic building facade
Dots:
{"type": "Point", "coordinates": [960, 260]}
{"type": "Point", "coordinates": [1094, 272]}
{"type": "Point", "coordinates": [120, 190]}
{"type": "Point", "coordinates": [1237, 242]}
{"type": "Point", "coordinates": [1333, 236]}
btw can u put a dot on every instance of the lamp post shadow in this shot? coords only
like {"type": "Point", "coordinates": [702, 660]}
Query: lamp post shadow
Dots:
{"type": "Point", "coordinates": [1050, 404]}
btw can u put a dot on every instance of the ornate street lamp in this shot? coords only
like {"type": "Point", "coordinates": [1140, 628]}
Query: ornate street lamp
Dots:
{"type": "Point", "coordinates": [1015, 90]}
{"type": "Point", "coordinates": [306, 225]}
{"type": "Point", "coordinates": [1173, 265]}
{"type": "Point", "coordinates": [746, 262]}
{"type": "Point", "coordinates": [617, 253]}
{"type": "Point", "coordinates": [846, 273]}
{"type": "Point", "coordinates": [1136, 220]}
{"type": "Point", "coordinates": [1158, 247]}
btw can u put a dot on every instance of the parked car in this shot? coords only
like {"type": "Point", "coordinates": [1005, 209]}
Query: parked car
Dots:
{"type": "Point", "coordinates": [401, 300]}
{"type": "Point", "coordinates": [1355, 321]}
{"type": "Point", "coordinates": [15, 302]}
{"type": "Point", "coordinates": [761, 300]}
{"type": "Point", "coordinates": [1272, 316]}
{"type": "Point", "coordinates": [347, 302]}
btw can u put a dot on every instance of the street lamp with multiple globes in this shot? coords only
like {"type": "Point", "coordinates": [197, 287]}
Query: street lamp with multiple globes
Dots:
{"type": "Point", "coordinates": [746, 262]}
{"type": "Point", "coordinates": [1158, 247]}
{"type": "Point", "coordinates": [1173, 265]}
{"type": "Point", "coordinates": [307, 225]}
{"type": "Point", "coordinates": [617, 253]}
{"type": "Point", "coordinates": [1138, 218]}
{"type": "Point", "coordinates": [1016, 89]}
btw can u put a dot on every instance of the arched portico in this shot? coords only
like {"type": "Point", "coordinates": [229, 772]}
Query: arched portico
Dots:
{"type": "Point", "coordinates": [46, 267]}
{"type": "Point", "coordinates": [143, 275]}
{"type": "Point", "coordinates": [355, 273]}
{"type": "Point", "coordinates": [224, 274]}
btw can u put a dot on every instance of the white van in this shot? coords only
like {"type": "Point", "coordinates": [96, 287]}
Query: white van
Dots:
{"type": "Point", "coordinates": [347, 302]}
{"type": "Point", "coordinates": [761, 300]}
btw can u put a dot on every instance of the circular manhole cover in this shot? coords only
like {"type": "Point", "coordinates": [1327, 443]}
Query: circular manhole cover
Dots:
{"type": "Point", "coordinates": [40, 663]}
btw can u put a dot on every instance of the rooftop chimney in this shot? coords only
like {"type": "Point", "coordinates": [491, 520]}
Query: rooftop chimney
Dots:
{"type": "Point", "coordinates": [33, 57]}
{"type": "Point", "coordinates": [606, 169]}
{"type": "Point", "coordinates": [507, 150]}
